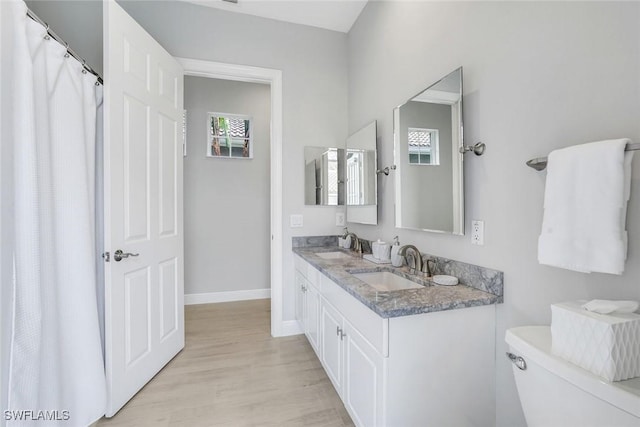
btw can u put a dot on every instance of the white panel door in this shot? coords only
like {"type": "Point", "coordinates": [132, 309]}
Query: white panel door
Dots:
{"type": "Point", "coordinates": [331, 344]}
{"type": "Point", "coordinates": [312, 317]}
{"type": "Point", "coordinates": [144, 292]}
{"type": "Point", "coordinates": [364, 376]}
{"type": "Point", "coordinates": [301, 287]}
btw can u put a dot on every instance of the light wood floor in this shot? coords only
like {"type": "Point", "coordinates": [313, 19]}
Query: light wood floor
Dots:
{"type": "Point", "coordinates": [233, 373]}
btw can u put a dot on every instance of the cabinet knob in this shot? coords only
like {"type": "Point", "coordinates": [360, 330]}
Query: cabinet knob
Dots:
{"type": "Point", "coordinates": [338, 331]}
{"type": "Point", "coordinates": [342, 335]}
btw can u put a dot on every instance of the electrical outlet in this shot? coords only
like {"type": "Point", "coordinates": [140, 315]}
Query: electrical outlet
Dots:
{"type": "Point", "coordinates": [477, 232]}
{"type": "Point", "coordinates": [340, 218]}
{"type": "Point", "coordinates": [296, 221]}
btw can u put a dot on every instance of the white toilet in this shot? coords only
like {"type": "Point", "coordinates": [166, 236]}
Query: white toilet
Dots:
{"type": "Point", "coordinates": [554, 392]}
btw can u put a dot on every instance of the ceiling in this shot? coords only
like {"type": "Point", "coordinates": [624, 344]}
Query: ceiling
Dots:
{"type": "Point", "coordinates": [337, 15]}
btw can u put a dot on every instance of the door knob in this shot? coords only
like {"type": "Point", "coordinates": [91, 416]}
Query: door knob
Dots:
{"type": "Point", "coordinates": [119, 255]}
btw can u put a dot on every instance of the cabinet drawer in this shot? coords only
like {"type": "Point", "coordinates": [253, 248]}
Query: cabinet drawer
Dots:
{"type": "Point", "coordinates": [372, 327]}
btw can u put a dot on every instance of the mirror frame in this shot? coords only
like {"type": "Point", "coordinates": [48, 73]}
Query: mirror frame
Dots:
{"type": "Point", "coordinates": [459, 176]}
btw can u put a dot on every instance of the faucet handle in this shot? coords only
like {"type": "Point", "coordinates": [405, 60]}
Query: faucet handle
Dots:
{"type": "Point", "coordinates": [426, 267]}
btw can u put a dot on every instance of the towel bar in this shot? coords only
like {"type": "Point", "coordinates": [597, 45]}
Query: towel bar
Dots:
{"type": "Point", "coordinates": [540, 163]}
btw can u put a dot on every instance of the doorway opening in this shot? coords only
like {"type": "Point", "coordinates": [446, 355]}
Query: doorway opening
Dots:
{"type": "Point", "coordinates": [226, 190]}
{"type": "Point", "coordinates": [273, 78]}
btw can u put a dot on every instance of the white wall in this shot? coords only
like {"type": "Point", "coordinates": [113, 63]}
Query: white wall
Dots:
{"type": "Point", "coordinates": [537, 76]}
{"type": "Point", "coordinates": [78, 22]}
{"type": "Point", "coordinates": [314, 67]}
{"type": "Point", "coordinates": [226, 201]}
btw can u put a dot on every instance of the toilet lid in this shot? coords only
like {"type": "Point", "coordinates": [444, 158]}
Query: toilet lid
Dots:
{"type": "Point", "coordinates": [533, 343]}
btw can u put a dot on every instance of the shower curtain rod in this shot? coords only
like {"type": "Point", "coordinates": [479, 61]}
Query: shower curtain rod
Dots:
{"type": "Point", "coordinates": [57, 38]}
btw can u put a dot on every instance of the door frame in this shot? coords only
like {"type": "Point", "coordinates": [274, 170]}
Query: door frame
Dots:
{"type": "Point", "coordinates": [272, 77]}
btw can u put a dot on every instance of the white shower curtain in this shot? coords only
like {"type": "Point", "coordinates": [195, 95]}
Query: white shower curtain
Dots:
{"type": "Point", "coordinates": [56, 363]}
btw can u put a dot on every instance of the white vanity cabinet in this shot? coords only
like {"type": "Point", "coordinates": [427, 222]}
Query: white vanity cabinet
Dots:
{"type": "Point", "coordinates": [312, 316]}
{"type": "Point", "coordinates": [331, 354]}
{"type": "Point", "coordinates": [301, 285]}
{"type": "Point", "coordinates": [431, 369]}
{"type": "Point", "coordinates": [356, 369]}
{"type": "Point", "coordinates": [308, 302]}
{"type": "Point", "coordinates": [365, 372]}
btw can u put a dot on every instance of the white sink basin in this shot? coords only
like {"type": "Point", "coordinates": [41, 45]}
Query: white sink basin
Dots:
{"type": "Point", "coordinates": [384, 281]}
{"type": "Point", "coordinates": [333, 255]}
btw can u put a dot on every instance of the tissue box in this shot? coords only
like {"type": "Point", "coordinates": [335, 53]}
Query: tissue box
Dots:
{"type": "Point", "coordinates": [606, 344]}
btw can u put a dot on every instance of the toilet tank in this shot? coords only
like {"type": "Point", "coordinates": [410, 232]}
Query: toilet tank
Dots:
{"type": "Point", "coordinates": [554, 392]}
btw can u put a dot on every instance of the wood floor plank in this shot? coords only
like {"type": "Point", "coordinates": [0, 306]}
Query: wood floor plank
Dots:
{"type": "Point", "coordinates": [233, 373]}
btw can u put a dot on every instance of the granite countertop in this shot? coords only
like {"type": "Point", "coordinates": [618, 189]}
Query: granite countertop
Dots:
{"type": "Point", "coordinates": [406, 302]}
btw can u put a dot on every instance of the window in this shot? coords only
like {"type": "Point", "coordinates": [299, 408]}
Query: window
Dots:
{"type": "Point", "coordinates": [423, 146]}
{"type": "Point", "coordinates": [229, 136]}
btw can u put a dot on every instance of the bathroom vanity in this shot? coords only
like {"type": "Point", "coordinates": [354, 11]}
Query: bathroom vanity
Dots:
{"type": "Point", "coordinates": [412, 357]}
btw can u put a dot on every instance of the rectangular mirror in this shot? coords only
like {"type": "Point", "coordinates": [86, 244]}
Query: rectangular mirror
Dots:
{"type": "Point", "coordinates": [324, 176]}
{"type": "Point", "coordinates": [361, 177]}
{"type": "Point", "coordinates": [429, 175]}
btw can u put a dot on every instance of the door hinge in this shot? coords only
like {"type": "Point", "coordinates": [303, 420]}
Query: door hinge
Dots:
{"type": "Point", "coordinates": [106, 256]}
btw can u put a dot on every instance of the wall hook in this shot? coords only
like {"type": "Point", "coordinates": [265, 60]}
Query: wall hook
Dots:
{"type": "Point", "coordinates": [386, 170]}
{"type": "Point", "coordinates": [477, 148]}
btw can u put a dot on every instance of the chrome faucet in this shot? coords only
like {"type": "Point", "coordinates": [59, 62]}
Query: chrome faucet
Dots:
{"type": "Point", "coordinates": [416, 266]}
{"type": "Point", "coordinates": [357, 246]}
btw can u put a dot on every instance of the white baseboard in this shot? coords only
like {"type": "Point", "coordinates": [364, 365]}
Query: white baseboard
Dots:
{"type": "Point", "coordinates": [213, 297]}
{"type": "Point", "coordinates": [290, 327]}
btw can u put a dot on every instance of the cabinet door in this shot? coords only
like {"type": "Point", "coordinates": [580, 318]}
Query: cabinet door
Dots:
{"type": "Point", "coordinates": [312, 317]}
{"type": "Point", "coordinates": [364, 377]}
{"type": "Point", "coordinates": [331, 344]}
{"type": "Point", "coordinates": [300, 304]}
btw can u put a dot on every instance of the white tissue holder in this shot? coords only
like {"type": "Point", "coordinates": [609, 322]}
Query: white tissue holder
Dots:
{"type": "Point", "coordinates": [607, 345]}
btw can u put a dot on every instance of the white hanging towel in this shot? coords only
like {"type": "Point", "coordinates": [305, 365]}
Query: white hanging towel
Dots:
{"type": "Point", "coordinates": [585, 206]}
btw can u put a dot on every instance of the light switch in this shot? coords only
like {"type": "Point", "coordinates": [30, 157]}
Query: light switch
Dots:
{"type": "Point", "coordinates": [296, 221]}
{"type": "Point", "coordinates": [340, 218]}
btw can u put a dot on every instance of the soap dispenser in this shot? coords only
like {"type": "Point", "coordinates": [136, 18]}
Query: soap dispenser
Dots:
{"type": "Point", "coordinates": [396, 260]}
{"type": "Point", "coordinates": [345, 240]}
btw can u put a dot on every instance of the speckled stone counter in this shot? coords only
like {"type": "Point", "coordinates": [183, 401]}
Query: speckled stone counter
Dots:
{"type": "Point", "coordinates": [406, 302]}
